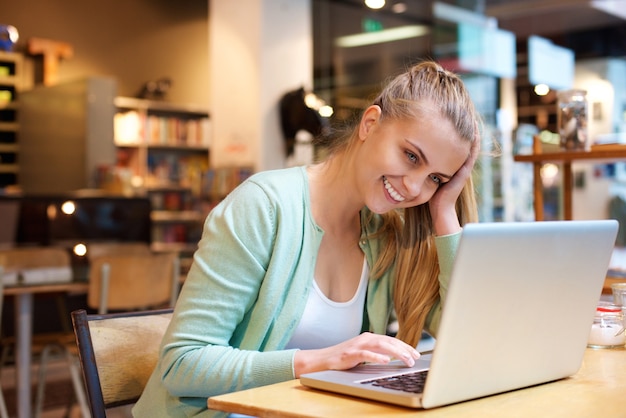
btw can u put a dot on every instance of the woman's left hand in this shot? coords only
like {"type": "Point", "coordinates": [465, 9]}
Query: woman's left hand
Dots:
{"type": "Point", "coordinates": [443, 203]}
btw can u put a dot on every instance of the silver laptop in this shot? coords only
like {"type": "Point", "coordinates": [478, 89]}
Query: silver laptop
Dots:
{"type": "Point", "coordinates": [518, 312]}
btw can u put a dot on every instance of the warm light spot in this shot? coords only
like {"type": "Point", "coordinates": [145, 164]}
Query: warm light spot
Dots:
{"type": "Point", "coordinates": [375, 4]}
{"type": "Point", "coordinates": [399, 7]}
{"type": "Point", "coordinates": [542, 89]}
{"type": "Point", "coordinates": [68, 207]}
{"type": "Point", "coordinates": [80, 250]}
{"type": "Point", "coordinates": [326, 111]}
{"type": "Point", "coordinates": [51, 211]}
{"type": "Point", "coordinates": [549, 173]}
{"type": "Point", "coordinates": [136, 181]}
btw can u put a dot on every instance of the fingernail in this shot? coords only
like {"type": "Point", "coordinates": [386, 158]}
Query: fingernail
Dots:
{"type": "Point", "coordinates": [408, 359]}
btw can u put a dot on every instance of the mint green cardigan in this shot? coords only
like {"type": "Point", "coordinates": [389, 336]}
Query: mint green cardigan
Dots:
{"type": "Point", "coordinates": [245, 294]}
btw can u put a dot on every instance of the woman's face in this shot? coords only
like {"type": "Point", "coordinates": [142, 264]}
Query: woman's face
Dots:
{"type": "Point", "coordinates": [402, 163]}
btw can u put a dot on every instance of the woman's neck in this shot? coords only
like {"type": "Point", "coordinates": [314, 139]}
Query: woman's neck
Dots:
{"type": "Point", "coordinates": [335, 201]}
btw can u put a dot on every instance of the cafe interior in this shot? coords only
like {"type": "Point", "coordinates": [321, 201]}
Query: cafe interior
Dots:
{"type": "Point", "coordinates": [120, 130]}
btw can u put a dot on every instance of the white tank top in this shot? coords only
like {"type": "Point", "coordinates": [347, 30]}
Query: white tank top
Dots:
{"type": "Point", "coordinates": [325, 323]}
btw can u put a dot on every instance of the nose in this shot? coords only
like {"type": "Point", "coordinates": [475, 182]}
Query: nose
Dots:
{"type": "Point", "coordinates": [413, 182]}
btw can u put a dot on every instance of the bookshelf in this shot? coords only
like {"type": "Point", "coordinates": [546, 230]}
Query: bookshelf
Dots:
{"type": "Point", "coordinates": [163, 152]}
{"type": "Point", "coordinates": [81, 136]}
{"type": "Point", "coordinates": [10, 83]}
{"type": "Point", "coordinates": [162, 145]}
{"type": "Point", "coordinates": [178, 212]}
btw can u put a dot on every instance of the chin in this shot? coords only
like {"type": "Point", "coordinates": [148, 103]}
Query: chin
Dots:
{"type": "Point", "coordinates": [381, 209]}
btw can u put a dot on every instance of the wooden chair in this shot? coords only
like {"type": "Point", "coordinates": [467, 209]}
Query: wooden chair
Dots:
{"type": "Point", "coordinates": [22, 264]}
{"type": "Point", "coordinates": [121, 282]}
{"type": "Point", "coordinates": [42, 264]}
{"type": "Point", "coordinates": [118, 353]}
{"type": "Point", "coordinates": [133, 282]}
{"type": "Point", "coordinates": [98, 249]}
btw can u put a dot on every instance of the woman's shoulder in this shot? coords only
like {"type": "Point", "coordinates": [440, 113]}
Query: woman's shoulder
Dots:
{"type": "Point", "coordinates": [279, 177]}
{"type": "Point", "coordinates": [279, 184]}
{"type": "Point", "coordinates": [277, 187]}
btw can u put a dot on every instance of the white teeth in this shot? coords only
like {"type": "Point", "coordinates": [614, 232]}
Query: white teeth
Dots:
{"type": "Point", "coordinates": [392, 192]}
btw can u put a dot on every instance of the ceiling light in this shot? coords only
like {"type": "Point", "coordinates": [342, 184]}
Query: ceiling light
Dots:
{"type": "Point", "coordinates": [385, 35]}
{"type": "Point", "coordinates": [375, 4]}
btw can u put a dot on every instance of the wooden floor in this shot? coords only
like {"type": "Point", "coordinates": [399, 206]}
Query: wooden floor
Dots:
{"type": "Point", "coordinates": [59, 393]}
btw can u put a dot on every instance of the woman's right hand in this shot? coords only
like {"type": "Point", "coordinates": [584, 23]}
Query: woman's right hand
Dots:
{"type": "Point", "coordinates": [443, 203]}
{"type": "Point", "coordinates": [367, 347]}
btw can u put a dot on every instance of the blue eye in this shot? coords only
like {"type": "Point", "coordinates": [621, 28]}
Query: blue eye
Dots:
{"type": "Point", "coordinates": [412, 157]}
{"type": "Point", "coordinates": [436, 179]}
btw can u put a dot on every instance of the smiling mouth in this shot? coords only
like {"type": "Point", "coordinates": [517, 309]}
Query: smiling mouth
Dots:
{"type": "Point", "coordinates": [392, 192]}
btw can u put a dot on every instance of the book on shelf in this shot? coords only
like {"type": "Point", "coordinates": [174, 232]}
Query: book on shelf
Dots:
{"type": "Point", "coordinates": [183, 170]}
{"type": "Point", "coordinates": [134, 128]}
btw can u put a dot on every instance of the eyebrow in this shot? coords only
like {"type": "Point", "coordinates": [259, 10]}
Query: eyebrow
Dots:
{"type": "Point", "coordinates": [423, 158]}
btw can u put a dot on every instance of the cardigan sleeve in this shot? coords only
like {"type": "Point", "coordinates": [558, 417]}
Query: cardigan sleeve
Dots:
{"type": "Point", "coordinates": [447, 246]}
{"type": "Point", "coordinates": [199, 354]}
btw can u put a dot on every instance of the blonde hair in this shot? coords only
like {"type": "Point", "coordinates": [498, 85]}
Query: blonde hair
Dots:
{"type": "Point", "coordinates": [425, 89]}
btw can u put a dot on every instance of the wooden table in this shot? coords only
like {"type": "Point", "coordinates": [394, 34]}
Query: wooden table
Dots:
{"type": "Point", "coordinates": [24, 333]}
{"type": "Point", "coordinates": [538, 158]}
{"type": "Point", "coordinates": [597, 390]}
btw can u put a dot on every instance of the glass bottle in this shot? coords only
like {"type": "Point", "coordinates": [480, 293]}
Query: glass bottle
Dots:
{"type": "Point", "coordinates": [607, 330]}
{"type": "Point", "coordinates": [572, 120]}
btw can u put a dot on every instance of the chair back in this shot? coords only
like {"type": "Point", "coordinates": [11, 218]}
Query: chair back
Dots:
{"type": "Point", "coordinates": [133, 282]}
{"type": "Point", "coordinates": [34, 257]}
{"type": "Point", "coordinates": [35, 265]}
{"type": "Point", "coordinates": [118, 353]}
{"type": "Point", "coordinates": [98, 249]}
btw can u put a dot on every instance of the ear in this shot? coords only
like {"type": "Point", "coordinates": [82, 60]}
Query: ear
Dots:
{"type": "Point", "coordinates": [370, 118]}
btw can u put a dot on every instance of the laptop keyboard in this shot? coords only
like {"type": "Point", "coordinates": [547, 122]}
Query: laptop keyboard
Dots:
{"type": "Point", "coordinates": [410, 382]}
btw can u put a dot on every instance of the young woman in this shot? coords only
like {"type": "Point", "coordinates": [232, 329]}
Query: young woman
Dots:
{"type": "Point", "coordinates": [301, 269]}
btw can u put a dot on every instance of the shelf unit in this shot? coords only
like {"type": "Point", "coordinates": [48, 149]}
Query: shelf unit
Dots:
{"type": "Point", "coordinates": [163, 152]}
{"type": "Point", "coordinates": [538, 158]}
{"type": "Point", "coordinates": [81, 135]}
{"type": "Point", "coordinates": [176, 217]}
{"type": "Point", "coordinates": [165, 144]}
{"type": "Point", "coordinates": [178, 212]}
{"type": "Point", "coordinates": [10, 84]}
